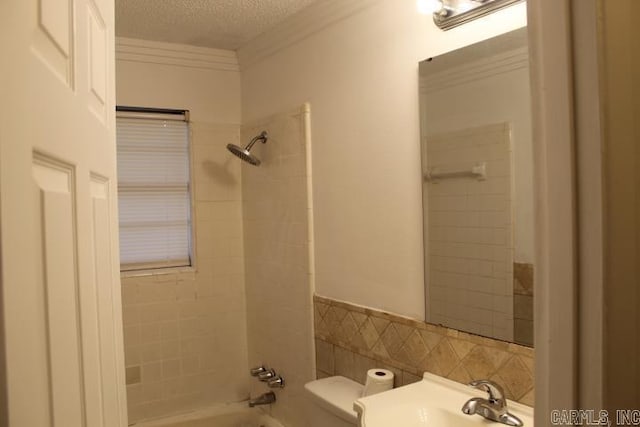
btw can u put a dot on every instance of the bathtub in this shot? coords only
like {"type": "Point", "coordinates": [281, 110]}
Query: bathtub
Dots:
{"type": "Point", "coordinates": [229, 415]}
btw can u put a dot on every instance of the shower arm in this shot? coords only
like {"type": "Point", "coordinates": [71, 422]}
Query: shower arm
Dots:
{"type": "Point", "coordinates": [262, 137]}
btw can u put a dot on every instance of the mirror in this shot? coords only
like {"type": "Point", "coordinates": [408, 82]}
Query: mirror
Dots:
{"type": "Point", "coordinates": [477, 164]}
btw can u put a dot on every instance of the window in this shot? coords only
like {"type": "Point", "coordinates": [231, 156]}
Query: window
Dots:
{"type": "Point", "coordinates": [153, 188]}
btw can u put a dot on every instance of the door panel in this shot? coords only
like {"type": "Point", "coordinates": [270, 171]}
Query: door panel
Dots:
{"type": "Point", "coordinates": [103, 269]}
{"type": "Point", "coordinates": [61, 307]}
{"type": "Point", "coordinates": [97, 61]}
{"type": "Point", "coordinates": [57, 254]}
{"type": "Point", "coordinates": [53, 36]}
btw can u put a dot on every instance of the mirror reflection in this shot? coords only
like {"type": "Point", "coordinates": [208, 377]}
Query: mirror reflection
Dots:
{"type": "Point", "coordinates": [476, 148]}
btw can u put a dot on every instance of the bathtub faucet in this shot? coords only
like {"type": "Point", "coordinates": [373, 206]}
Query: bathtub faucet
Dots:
{"type": "Point", "coordinates": [263, 399]}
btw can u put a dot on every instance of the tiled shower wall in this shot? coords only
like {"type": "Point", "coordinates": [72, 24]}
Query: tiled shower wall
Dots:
{"type": "Point", "coordinates": [277, 216]}
{"type": "Point", "coordinates": [185, 332]}
{"type": "Point", "coordinates": [351, 339]}
{"type": "Point", "coordinates": [470, 241]}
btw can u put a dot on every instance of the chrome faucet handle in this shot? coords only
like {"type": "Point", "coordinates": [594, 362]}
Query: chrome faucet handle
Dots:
{"type": "Point", "coordinates": [257, 371]}
{"type": "Point", "coordinates": [267, 375]}
{"type": "Point", "coordinates": [496, 393]}
{"type": "Point", "coordinates": [277, 382]}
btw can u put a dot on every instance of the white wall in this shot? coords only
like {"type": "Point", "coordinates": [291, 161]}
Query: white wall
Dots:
{"type": "Point", "coordinates": [360, 75]}
{"type": "Point", "coordinates": [185, 333]}
{"type": "Point", "coordinates": [166, 75]}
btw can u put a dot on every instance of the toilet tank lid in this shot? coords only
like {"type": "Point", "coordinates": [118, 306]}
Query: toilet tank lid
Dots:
{"type": "Point", "coordinates": [336, 394]}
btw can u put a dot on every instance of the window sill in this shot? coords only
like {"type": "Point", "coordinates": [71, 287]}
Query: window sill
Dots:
{"type": "Point", "coordinates": [157, 271]}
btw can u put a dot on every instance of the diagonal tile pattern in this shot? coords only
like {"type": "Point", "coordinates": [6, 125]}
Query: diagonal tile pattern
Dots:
{"type": "Point", "coordinates": [354, 337]}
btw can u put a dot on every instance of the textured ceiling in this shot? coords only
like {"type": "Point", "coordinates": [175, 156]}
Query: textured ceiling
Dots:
{"type": "Point", "coordinates": [223, 24]}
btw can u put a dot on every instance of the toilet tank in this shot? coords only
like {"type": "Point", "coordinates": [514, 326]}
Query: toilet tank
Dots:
{"type": "Point", "coordinates": [330, 402]}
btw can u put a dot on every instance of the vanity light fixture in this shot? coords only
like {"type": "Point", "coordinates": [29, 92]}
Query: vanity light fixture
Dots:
{"type": "Point", "coordinates": [428, 7]}
{"type": "Point", "coordinates": [448, 14]}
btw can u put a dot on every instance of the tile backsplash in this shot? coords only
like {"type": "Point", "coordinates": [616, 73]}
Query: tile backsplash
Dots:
{"type": "Point", "coordinates": [351, 339]}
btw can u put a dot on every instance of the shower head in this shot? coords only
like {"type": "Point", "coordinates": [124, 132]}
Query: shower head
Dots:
{"type": "Point", "coordinates": [245, 153]}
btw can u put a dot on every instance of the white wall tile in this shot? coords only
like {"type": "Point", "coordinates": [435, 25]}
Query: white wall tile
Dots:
{"type": "Point", "coordinates": [173, 320]}
{"type": "Point", "coordinates": [469, 231]}
{"type": "Point", "coordinates": [278, 275]}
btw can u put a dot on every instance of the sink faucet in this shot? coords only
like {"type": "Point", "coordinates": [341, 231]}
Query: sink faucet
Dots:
{"type": "Point", "coordinates": [494, 408]}
{"type": "Point", "coordinates": [263, 399]}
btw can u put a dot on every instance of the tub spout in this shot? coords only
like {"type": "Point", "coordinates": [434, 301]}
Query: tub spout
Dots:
{"type": "Point", "coordinates": [263, 399]}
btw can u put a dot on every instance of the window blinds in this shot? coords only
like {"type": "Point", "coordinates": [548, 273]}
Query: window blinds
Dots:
{"type": "Point", "coordinates": [153, 193]}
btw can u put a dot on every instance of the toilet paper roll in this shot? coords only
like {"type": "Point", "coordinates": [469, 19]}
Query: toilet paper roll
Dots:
{"type": "Point", "coordinates": [378, 380]}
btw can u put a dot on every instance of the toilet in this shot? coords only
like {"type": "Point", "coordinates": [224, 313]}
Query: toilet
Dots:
{"type": "Point", "coordinates": [330, 402]}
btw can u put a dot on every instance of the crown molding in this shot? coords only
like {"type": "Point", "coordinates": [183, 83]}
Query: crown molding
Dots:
{"type": "Point", "coordinates": [152, 52]}
{"type": "Point", "coordinates": [299, 26]}
{"type": "Point", "coordinates": [494, 65]}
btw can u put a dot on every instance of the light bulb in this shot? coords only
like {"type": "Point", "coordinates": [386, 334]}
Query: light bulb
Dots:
{"type": "Point", "coordinates": [428, 7]}
{"type": "Point", "coordinates": [465, 6]}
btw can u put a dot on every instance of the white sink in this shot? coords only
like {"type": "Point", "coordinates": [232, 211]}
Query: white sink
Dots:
{"type": "Point", "coordinates": [432, 402]}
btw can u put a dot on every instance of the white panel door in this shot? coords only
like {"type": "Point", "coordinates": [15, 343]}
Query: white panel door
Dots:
{"type": "Point", "coordinates": [60, 304]}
